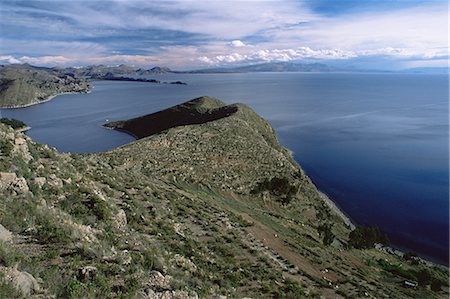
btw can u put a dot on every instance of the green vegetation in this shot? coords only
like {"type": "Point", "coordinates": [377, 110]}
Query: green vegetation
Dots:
{"type": "Point", "coordinates": [183, 213]}
{"type": "Point", "coordinates": [12, 122]}
{"type": "Point", "coordinates": [6, 147]}
{"type": "Point", "coordinates": [365, 237]}
{"type": "Point", "coordinates": [280, 187]}
{"type": "Point", "coordinates": [325, 230]}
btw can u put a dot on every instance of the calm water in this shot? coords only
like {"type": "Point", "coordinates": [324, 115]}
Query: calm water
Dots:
{"type": "Point", "coordinates": [376, 143]}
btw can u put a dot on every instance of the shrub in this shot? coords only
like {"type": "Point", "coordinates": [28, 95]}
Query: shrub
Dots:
{"type": "Point", "coordinates": [365, 237]}
{"type": "Point", "coordinates": [12, 122]}
{"type": "Point", "coordinates": [6, 147]}
{"type": "Point", "coordinates": [325, 231]}
{"type": "Point", "coordinates": [280, 187]}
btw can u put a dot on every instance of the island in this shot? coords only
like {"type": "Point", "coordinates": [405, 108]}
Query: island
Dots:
{"type": "Point", "coordinates": [130, 79]}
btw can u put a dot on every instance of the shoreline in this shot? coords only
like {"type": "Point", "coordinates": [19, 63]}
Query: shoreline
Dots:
{"type": "Point", "coordinates": [332, 205]}
{"type": "Point", "coordinates": [24, 129]}
{"type": "Point", "coordinates": [391, 249]}
{"type": "Point", "coordinates": [47, 99]}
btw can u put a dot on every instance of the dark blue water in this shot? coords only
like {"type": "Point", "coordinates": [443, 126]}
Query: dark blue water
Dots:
{"type": "Point", "coordinates": [376, 143]}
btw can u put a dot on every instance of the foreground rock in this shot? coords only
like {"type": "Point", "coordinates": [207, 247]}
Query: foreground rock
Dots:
{"type": "Point", "coordinates": [21, 280]}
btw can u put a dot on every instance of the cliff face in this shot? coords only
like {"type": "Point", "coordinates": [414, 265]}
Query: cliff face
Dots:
{"type": "Point", "coordinates": [202, 210]}
{"type": "Point", "coordinates": [22, 85]}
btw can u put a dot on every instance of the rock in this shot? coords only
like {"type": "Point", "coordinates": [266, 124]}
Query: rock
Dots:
{"type": "Point", "coordinates": [157, 281]}
{"type": "Point", "coordinates": [20, 186]}
{"type": "Point", "coordinates": [5, 235]}
{"type": "Point", "coordinates": [6, 178]}
{"type": "Point", "coordinates": [21, 147]}
{"type": "Point", "coordinates": [151, 294]}
{"type": "Point", "coordinates": [87, 273]}
{"type": "Point", "coordinates": [22, 281]}
{"type": "Point", "coordinates": [10, 182]}
{"type": "Point", "coordinates": [19, 141]}
{"type": "Point", "coordinates": [40, 181]}
{"type": "Point", "coordinates": [179, 230]}
{"type": "Point", "coordinates": [121, 219]}
{"type": "Point", "coordinates": [54, 181]}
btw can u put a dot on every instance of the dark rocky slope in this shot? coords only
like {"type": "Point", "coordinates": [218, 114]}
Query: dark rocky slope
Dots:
{"type": "Point", "coordinates": [197, 111]}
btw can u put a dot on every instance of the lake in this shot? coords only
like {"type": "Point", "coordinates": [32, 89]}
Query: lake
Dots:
{"type": "Point", "coordinates": [377, 144]}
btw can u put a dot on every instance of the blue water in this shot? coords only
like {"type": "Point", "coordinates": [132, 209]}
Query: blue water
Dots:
{"type": "Point", "coordinates": [375, 143]}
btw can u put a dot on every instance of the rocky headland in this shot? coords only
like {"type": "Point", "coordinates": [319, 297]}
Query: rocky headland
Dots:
{"type": "Point", "coordinates": [24, 85]}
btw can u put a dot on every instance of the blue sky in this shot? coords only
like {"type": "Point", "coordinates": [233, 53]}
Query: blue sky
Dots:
{"type": "Point", "coordinates": [183, 34]}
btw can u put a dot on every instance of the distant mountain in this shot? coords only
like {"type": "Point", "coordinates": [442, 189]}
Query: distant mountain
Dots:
{"type": "Point", "coordinates": [272, 67]}
{"type": "Point", "coordinates": [103, 71]}
{"type": "Point", "coordinates": [159, 70]}
{"type": "Point", "coordinates": [427, 70]}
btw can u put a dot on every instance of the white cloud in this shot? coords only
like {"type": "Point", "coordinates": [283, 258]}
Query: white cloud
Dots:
{"type": "Point", "coordinates": [78, 32]}
{"type": "Point", "coordinates": [237, 44]}
{"type": "Point", "coordinates": [9, 59]}
{"type": "Point", "coordinates": [418, 31]}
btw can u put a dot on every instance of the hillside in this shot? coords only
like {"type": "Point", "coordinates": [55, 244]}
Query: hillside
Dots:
{"type": "Point", "coordinates": [104, 71]}
{"type": "Point", "coordinates": [197, 111]}
{"type": "Point", "coordinates": [22, 85]}
{"type": "Point", "coordinates": [211, 210]}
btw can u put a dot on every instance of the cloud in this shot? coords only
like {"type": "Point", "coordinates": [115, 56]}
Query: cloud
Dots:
{"type": "Point", "coordinates": [419, 29]}
{"type": "Point", "coordinates": [9, 59]}
{"type": "Point", "coordinates": [237, 44]}
{"type": "Point", "coordinates": [185, 33]}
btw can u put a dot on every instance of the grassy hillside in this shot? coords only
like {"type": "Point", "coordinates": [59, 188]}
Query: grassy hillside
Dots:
{"type": "Point", "coordinates": [22, 85]}
{"type": "Point", "coordinates": [205, 210]}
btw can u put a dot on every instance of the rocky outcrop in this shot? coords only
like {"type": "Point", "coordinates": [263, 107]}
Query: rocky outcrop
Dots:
{"type": "Point", "coordinates": [11, 183]}
{"type": "Point", "coordinates": [21, 280]}
{"type": "Point", "coordinates": [158, 286]}
{"type": "Point", "coordinates": [5, 235]}
{"type": "Point", "coordinates": [121, 219]}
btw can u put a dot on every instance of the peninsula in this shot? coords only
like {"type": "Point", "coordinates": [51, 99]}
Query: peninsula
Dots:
{"type": "Point", "coordinates": [197, 111]}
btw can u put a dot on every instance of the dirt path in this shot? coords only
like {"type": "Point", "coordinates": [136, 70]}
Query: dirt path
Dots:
{"type": "Point", "coordinates": [270, 242]}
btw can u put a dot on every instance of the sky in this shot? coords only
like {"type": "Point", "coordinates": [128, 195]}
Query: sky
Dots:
{"type": "Point", "coordinates": [184, 34]}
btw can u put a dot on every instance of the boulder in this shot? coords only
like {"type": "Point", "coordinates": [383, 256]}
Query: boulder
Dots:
{"type": "Point", "coordinates": [21, 147]}
{"type": "Point", "coordinates": [40, 181]}
{"type": "Point", "coordinates": [157, 281]}
{"type": "Point", "coordinates": [5, 235]}
{"type": "Point", "coordinates": [10, 182]}
{"type": "Point", "coordinates": [54, 181]}
{"type": "Point", "coordinates": [121, 219]}
{"type": "Point", "coordinates": [21, 280]}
